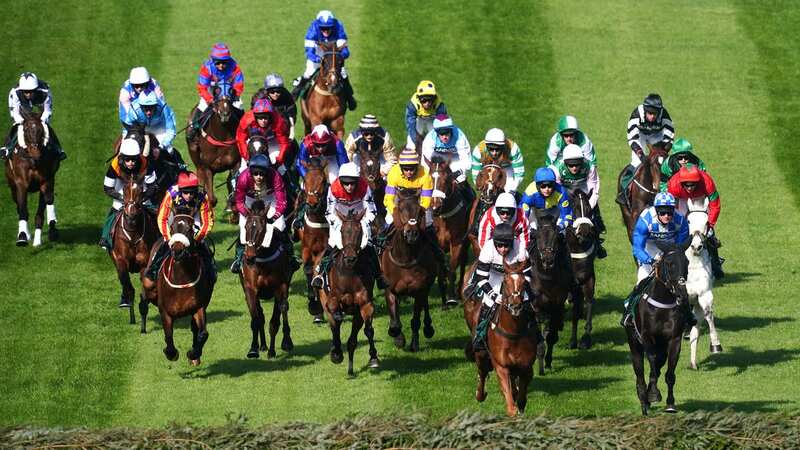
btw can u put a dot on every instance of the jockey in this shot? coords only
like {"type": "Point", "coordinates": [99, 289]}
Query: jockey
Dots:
{"type": "Point", "coordinates": [29, 94]}
{"type": "Point", "coordinates": [691, 183]}
{"type": "Point", "coordinates": [264, 121]}
{"type": "Point", "coordinates": [280, 98]}
{"type": "Point", "coordinates": [128, 164]}
{"type": "Point", "coordinates": [658, 223]}
{"type": "Point", "coordinates": [349, 194]}
{"type": "Point", "coordinates": [185, 194]}
{"type": "Point", "coordinates": [487, 280]}
{"type": "Point", "coordinates": [138, 82]}
{"type": "Point", "coordinates": [546, 194]}
{"type": "Point", "coordinates": [505, 210]}
{"type": "Point", "coordinates": [497, 149]}
{"type": "Point", "coordinates": [157, 118]}
{"type": "Point", "coordinates": [420, 112]}
{"type": "Point", "coordinates": [370, 136]}
{"type": "Point", "coordinates": [261, 182]}
{"type": "Point", "coordinates": [574, 172]}
{"type": "Point", "coordinates": [219, 68]}
{"type": "Point", "coordinates": [650, 124]}
{"type": "Point", "coordinates": [448, 142]}
{"type": "Point", "coordinates": [568, 132]}
{"type": "Point", "coordinates": [681, 155]}
{"type": "Point", "coordinates": [325, 28]}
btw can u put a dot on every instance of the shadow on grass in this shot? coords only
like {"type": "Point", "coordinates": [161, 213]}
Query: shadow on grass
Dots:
{"type": "Point", "coordinates": [80, 234]}
{"type": "Point", "coordinates": [568, 359]}
{"type": "Point", "coordinates": [742, 359]}
{"type": "Point", "coordinates": [556, 386]}
{"type": "Point", "coordinates": [736, 277]}
{"type": "Point", "coordinates": [742, 323]}
{"type": "Point", "coordinates": [236, 367]}
{"type": "Point", "coordinates": [212, 317]}
{"type": "Point", "coordinates": [742, 406]}
{"type": "Point", "coordinates": [614, 335]}
{"type": "Point", "coordinates": [399, 365]}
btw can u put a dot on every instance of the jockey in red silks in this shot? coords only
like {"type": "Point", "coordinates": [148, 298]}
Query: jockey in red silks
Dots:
{"type": "Point", "coordinates": [264, 121]}
{"type": "Point", "coordinates": [220, 68]}
{"type": "Point", "coordinates": [505, 210]}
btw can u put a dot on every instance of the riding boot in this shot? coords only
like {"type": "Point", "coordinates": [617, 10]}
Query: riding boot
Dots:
{"type": "Point", "coordinates": [300, 86]}
{"type": "Point", "coordinates": [599, 224]}
{"type": "Point", "coordinates": [479, 340]}
{"type": "Point", "coordinates": [105, 236]}
{"type": "Point", "coordinates": [430, 234]}
{"type": "Point", "coordinates": [208, 261]}
{"type": "Point", "coordinates": [299, 216]}
{"type": "Point", "coordinates": [177, 159]}
{"type": "Point", "coordinates": [625, 181]}
{"type": "Point", "coordinates": [348, 94]}
{"type": "Point", "coordinates": [288, 247]}
{"type": "Point", "coordinates": [158, 259]}
{"type": "Point", "coordinates": [236, 265]}
{"type": "Point", "coordinates": [322, 269]}
{"type": "Point", "coordinates": [56, 144]}
{"type": "Point", "coordinates": [601, 251]}
{"type": "Point", "coordinates": [199, 119]}
{"type": "Point", "coordinates": [9, 143]}
{"type": "Point", "coordinates": [376, 266]}
{"type": "Point", "coordinates": [716, 261]}
{"type": "Point", "coordinates": [632, 300]}
{"type": "Point", "coordinates": [383, 236]}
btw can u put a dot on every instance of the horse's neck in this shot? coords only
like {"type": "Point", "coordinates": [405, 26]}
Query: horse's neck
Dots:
{"type": "Point", "coordinates": [402, 250]}
{"type": "Point", "coordinates": [220, 130]}
{"type": "Point", "coordinates": [659, 292]}
{"type": "Point", "coordinates": [186, 270]}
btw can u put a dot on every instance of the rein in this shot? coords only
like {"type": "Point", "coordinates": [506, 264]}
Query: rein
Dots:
{"type": "Point", "coordinates": [168, 270]}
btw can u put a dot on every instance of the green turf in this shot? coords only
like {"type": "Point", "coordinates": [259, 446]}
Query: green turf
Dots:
{"type": "Point", "coordinates": [69, 356]}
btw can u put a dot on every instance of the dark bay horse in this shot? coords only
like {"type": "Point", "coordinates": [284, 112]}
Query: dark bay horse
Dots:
{"type": "Point", "coordinates": [451, 219]}
{"type": "Point", "coordinates": [369, 160]}
{"type": "Point", "coordinates": [351, 284]}
{"type": "Point", "coordinates": [658, 326]}
{"type": "Point", "coordinates": [409, 265]}
{"type": "Point", "coordinates": [166, 169]}
{"type": "Point", "coordinates": [31, 167]}
{"type": "Point", "coordinates": [259, 145]}
{"type": "Point", "coordinates": [550, 281]}
{"type": "Point", "coordinates": [265, 274]}
{"type": "Point", "coordinates": [511, 339]}
{"type": "Point", "coordinates": [490, 182]}
{"type": "Point", "coordinates": [181, 289]}
{"type": "Point", "coordinates": [643, 188]}
{"type": "Point", "coordinates": [323, 104]}
{"type": "Point", "coordinates": [214, 149]}
{"type": "Point", "coordinates": [582, 244]}
{"type": "Point", "coordinates": [132, 237]}
{"type": "Point", "coordinates": [314, 234]}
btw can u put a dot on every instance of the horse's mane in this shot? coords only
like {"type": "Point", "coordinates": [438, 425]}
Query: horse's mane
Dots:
{"type": "Point", "coordinates": [258, 207]}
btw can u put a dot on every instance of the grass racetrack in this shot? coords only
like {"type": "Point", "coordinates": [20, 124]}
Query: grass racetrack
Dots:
{"type": "Point", "coordinates": [68, 356]}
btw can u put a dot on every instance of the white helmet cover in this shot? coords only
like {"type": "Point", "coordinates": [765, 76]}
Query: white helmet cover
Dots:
{"type": "Point", "coordinates": [505, 200]}
{"type": "Point", "coordinates": [572, 151]}
{"type": "Point", "coordinates": [28, 81]}
{"type": "Point", "coordinates": [495, 136]}
{"type": "Point", "coordinates": [139, 75]}
{"type": "Point", "coordinates": [349, 170]}
{"type": "Point", "coordinates": [273, 80]}
{"type": "Point", "coordinates": [129, 147]}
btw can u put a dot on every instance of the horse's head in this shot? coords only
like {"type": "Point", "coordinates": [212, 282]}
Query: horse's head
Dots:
{"type": "Point", "coordinates": [132, 198]}
{"type": "Point", "coordinates": [257, 145]}
{"type": "Point", "coordinates": [513, 287]}
{"type": "Point", "coordinates": [331, 66]}
{"type": "Point", "coordinates": [370, 163]}
{"type": "Point", "coordinates": [352, 235]}
{"type": "Point", "coordinates": [546, 240]}
{"type": "Point", "coordinates": [490, 182]}
{"type": "Point", "coordinates": [315, 184]}
{"type": "Point", "coordinates": [223, 101]}
{"type": "Point", "coordinates": [672, 268]}
{"type": "Point", "coordinates": [698, 229]}
{"type": "Point", "coordinates": [255, 229]}
{"type": "Point", "coordinates": [32, 135]}
{"type": "Point", "coordinates": [651, 168]}
{"type": "Point", "coordinates": [582, 226]}
{"type": "Point", "coordinates": [409, 215]}
{"type": "Point", "coordinates": [182, 229]}
{"type": "Point", "coordinates": [443, 183]}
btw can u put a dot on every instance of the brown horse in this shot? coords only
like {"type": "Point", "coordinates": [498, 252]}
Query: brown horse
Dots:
{"type": "Point", "coordinates": [314, 234]}
{"type": "Point", "coordinates": [451, 219]}
{"type": "Point", "coordinates": [323, 104]}
{"type": "Point", "coordinates": [30, 167]}
{"type": "Point", "coordinates": [133, 235]}
{"type": "Point", "coordinates": [166, 169]}
{"type": "Point", "coordinates": [511, 340]}
{"type": "Point", "coordinates": [370, 163]}
{"type": "Point", "coordinates": [265, 274]}
{"type": "Point", "coordinates": [409, 265]}
{"type": "Point", "coordinates": [582, 244]}
{"type": "Point", "coordinates": [350, 292]}
{"type": "Point", "coordinates": [214, 150]}
{"type": "Point", "coordinates": [643, 189]}
{"type": "Point", "coordinates": [489, 184]}
{"type": "Point", "coordinates": [181, 289]}
{"type": "Point", "coordinates": [547, 257]}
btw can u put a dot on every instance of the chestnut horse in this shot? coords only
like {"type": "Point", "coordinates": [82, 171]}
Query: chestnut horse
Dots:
{"type": "Point", "coordinates": [323, 104]}
{"type": "Point", "coordinates": [409, 266]}
{"type": "Point", "coordinates": [265, 274]}
{"type": "Point", "coordinates": [451, 219]}
{"type": "Point", "coordinates": [582, 244]}
{"type": "Point", "coordinates": [511, 340]}
{"type": "Point", "coordinates": [132, 237]}
{"type": "Point", "coordinates": [214, 149]}
{"type": "Point", "coordinates": [489, 184]}
{"type": "Point", "coordinates": [643, 188]}
{"type": "Point", "coordinates": [30, 167]}
{"type": "Point", "coordinates": [314, 234]}
{"type": "Point", "coordinates": [350, 292]}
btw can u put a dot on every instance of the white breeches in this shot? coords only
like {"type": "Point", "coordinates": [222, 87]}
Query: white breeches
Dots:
{"type": "Point", "coordinates": [424, 126]}
{"type": "Point", "coordinates": [511, 183]}
{"type": "Point", "coordinates": [644, 140]}
{"type": "Point", "coordinates": [495, 281]}
{"type": "Point", "coordinates": [335, 234]}
{"type": "Point", "coordinates": [269, 200]}
{"type": "Point", "coordinates": [311, 67]}
{"type": "Point", "coordinates": [202, 105]}
{"type": "Point", "coordinates": [645, 269]}
{"type": "Point", "coordinates": [428, 218]}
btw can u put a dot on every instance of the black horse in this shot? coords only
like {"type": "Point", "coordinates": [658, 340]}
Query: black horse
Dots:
{"type": "Point", "coordinates": [658, 325]}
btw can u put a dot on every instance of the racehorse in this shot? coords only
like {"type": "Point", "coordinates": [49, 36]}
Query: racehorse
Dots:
{"type": "Point", "coordinates": [351, 283]}
{"type": "Point", "coordinates": [214, 149]}
{"type": "Point", "coordinates": [511, 340]}
{"type": "Point", "coordinates": [582, 243]}
{"type": "Point", "coordinates": [265, 274]}
{"type": "Point", "coordinates": [181, 289]}
{"type": "Point", "coordinates": [700, 281]}
{"type": "Point", "coordinates": [314, 234]}
{"type": "Point", "coordinates": [162, 163]}
{"type": "Point", "coordinates": [451, 219]}
{"type": "Point", "coordinates": [550, 281]}
{"type": "Point", "coordinates": [643, 188]}
{"type": "Point", "coordinates": [323, 104]}
{"type": "Point", "coordinates": [31, 167]}
{"type": "Point", "coordinates": [133, 235]}
{"type": "Point", "coordinates": [489, 184]}
{"type": "Point", "coordinates": [259, 145]}
{"type": "Point", "coordinates": [370, 164]}
{"type": "Point", "coordinates": [658, 325]}
{"type": "Point", "coordinates": [409, 266]}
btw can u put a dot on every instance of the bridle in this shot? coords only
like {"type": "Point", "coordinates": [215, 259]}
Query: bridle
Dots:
{"type": "Point", "coordinates": [667, 280]}
{"type": "Point", "coordinates": [132, 214]}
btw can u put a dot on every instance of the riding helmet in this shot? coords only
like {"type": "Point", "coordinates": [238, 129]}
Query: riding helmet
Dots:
{"type": "Point", "coordinates": [139, 75]}
{"type": "Point", "coordinates": [572, 152]}
{"type": "Point", "coordinates": [259, 161]}
{"type": "Point", "coordinates": [503, 233]}
{"type": "Point", "coordinates": [664, 199]}
{"type": "Point", "coordinates": [495, 136]}
{"type": "Point", "coordinates": [689, 174]}
{"type": "Point", "coordinates": [325, 19]}
{"type": "Point", "coordinates": [220, 52]}
{"type": "Point", "coordinates": [408, 157]}
{"type": "Point", "coordinates": [129, 147]}
{"type": "Point", "coordinates": [652, 103]}
{"type": "Point", "coordinates": [442, 122]}
{"type": "Point", "coordinates": [544, 174]}
{"type": "Point", "coordinates": [28, 81]}
{"type": "Point", "coordinates": [567, 123]}
{"type": "Point", "coordinates": [321, 135]}
{"type": "Point", "coordinates": [369, 122]}
{"type": "Point", "coordinates": [273, 81]}
{"type": "Point", "coordinates": [426, 88]}
{"type": "Point", "coordinates": [187, 180]}
{"type": "Point", "coordinates": [262, 107]}
{"type": "Point", "coordinates": [148, 99]}
{"type": "Point", "coordinates": [681, 145]}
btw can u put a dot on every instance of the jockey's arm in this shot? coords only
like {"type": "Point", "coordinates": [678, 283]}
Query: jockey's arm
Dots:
{"type": "Point", "coordinates": [242, 136]}
{"type": "Point", "coordinates": [639, 240]}
{"type": "Point", "coordinates": [302, 156]}
{"type": "Point", "coordinates": [124, 103]}
{"type": "Point", "coordinates": [13, 107]}
{"type": "Point", "coordinates": [565, 210]}
{"type": "Point", "coordinates": [281, 130]}
{"type": "Point", "coordinates": [476, 166]}
{"type": "Point", "coordinates": [411, 121]}
{"type": "Point", "coordinates": [109, 184]}
{"type": "Point", "coordinates": [683, 232]}
{"type": "Point", "coordinates": [310, 44]}
{"type": "Point", "coordinates": [517, 165]}
{"type": "Point", "coordinates": [525, 228]}
{"type": "Point", "coordinates": [168, 116]}
{"type": "Point", "coordinates": [164, 211]}
{"type": "Point", "coordinates": [633, 131]}
{"type": "Point", "coordinates": [240, 194]}
{"type": "Point", "coordinates": [482, 269]}
{"type": "Point", "coordinates": [238, 81]}
{"type": "Point", "coordinates": [330, 208]}
{"type": "Point", "coordinates": [389, 155]}
{"type": "Point", "coordinates": [150, 185]}
{"type": "Point", "coordinates": [551, 155]}
{"type": "Point", "coordinates": [668, 130]}
{"type": "Point", "coordinates": [206, 214]}
{"type": "Point", "coordinates": [47, 107]}
{"type": "Point", "coordinates": [341, 154]}
{"type": "Point", "coordinates": [350, 146]}
{"type": "Point", "coordinates": [369, 206]}
{"type": "Point", "coordinates": [464, 157]}
{"type": "Point", "coordinates": [427, 192]}
{"type": "Point", "coordinates": [203, 85]}
{"type": "Point", "coordinates": [593, 185]}
{"type": "Point", "coordinates": [279, 192]}
{"type": "Point", "coordinates": [485, 227]}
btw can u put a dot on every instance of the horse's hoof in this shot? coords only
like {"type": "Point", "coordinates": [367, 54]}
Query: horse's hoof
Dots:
{"type": "Point", "coordinates": [263, 347]}
{"type": "Point", "coordinates": [22, 240]}
{"type": "Point", "coordinates": [315, 308]}
{"type": "Point", "coordinates": [428, 331]}
{"type": "Point", "coordinates": [271, 353]}
{"type": "Point", "coordinates": [548, 365]}
{"type": "Point", "coordinates": [573, 344]}
{"type": "Point", "coordinates": [318, 320]}
{"type": "Point", "coordinates": [671, 409]}
{"type": "Point", "coordinates": [687, 335]}
{"type": "Point", "coordinates": [400, 340]}
{"type": "Point", "coordinates": [541, 372]}
{"type": "Point", "coordinates": [645, 409]}
{"type": "Point", "coordinates": [374, 363]}
{"type": "Point", "coordinates": [586, 342]}
{"type": "Point", "coordinates": [653, 395]}
{"type": "Point", "coordinates": [693, 365]}
{"type": "Point", "coordinates": [194, 362]}
{"type": "Point", "coordinates": [414, 346]}
{"type": "Point", "coordinates": [252, 354]}
{"type": "Point", "coordinates": [171, 355]}
{"type": "Point", "coordinates": [394, 331]}
{"type": "Point", "coordinates": [337, 357]}
{"type": "Point", "coordinates": [715, 348]}
{"type": "Point", "coordinates": [480, 396]}
{"type": "Point", "coordinates": [286, 344]}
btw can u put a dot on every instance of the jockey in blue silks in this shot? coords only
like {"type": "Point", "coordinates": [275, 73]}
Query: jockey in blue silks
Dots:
{"type": "Point", "coordinates": [157, 118]}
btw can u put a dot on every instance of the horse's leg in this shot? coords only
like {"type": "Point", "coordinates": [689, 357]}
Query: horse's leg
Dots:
{"type": "Point", "coordinates": [504, 377]}
{"type": "Point", "coordinates": [551, 339]}
{"type": "Point", "coordinates": [286, 343]}
{"type": "Point", "coordinates": [144, 305]}
{"type": "Point", "coordinates": [262, 334]}
{"type": "Point", "coordinates": [427, 329]}
{"type": "Point", "coordinates": [367, 311]}
{"type": "Point", "coordinates": [415, 323]}
{"type": "Point", "coordinates": [694, 335]}
{"type": "Point", "coordinates": [674, 353]}
{"type": "Point", "coordinates": [206, 177]}
{"type": "Point", "coordinates": [577, 306]}
{"type": "Point", "coordinates": [588, 304]}
{"type": "Point", "coordinates": [541, 348]}
{"type": "Point", "coordinates": [352, 342]}
{"type": "Point", "coordinates": [201, 336]}
{"type": "Point", "coordinates": [38, 220]}
{"type": "Point", "coordinates": [455, 257]}
{"type": "Point", "coordinates": [637, 359]}
{"type": "Point", "coordinates": [484, 366]}
{"type": "Point", "coordinates": [21, 199]}
{"type": "Point", "coordinates": [166, 323]}
{"type": "Point", "coordinates": [656, 358]}
{"type": "Point", "coordinates": [49, 199]}
{"type": "Point", "coordinates": [256, 319]}
{"type": "Point", "coordinates": [525, 376]}
{"type": "Point", "coordinates": [706, 300]}
{"type": "Point", "coordinates": [274, 325]}
{"type": "Point", "coordinates": [395, 325]}
{"type": "Point", "coordinates": [314, 307]}
{"type": "Point", "coordinates": [441, 282]}
{"type": "Point", "coordinates": [127, 287]}
{"type": "Point", "coordinates": [336, 340]}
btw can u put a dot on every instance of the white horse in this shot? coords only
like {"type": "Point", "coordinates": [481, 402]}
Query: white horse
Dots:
{"type": "Point", "coordinates": [700, 280]}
